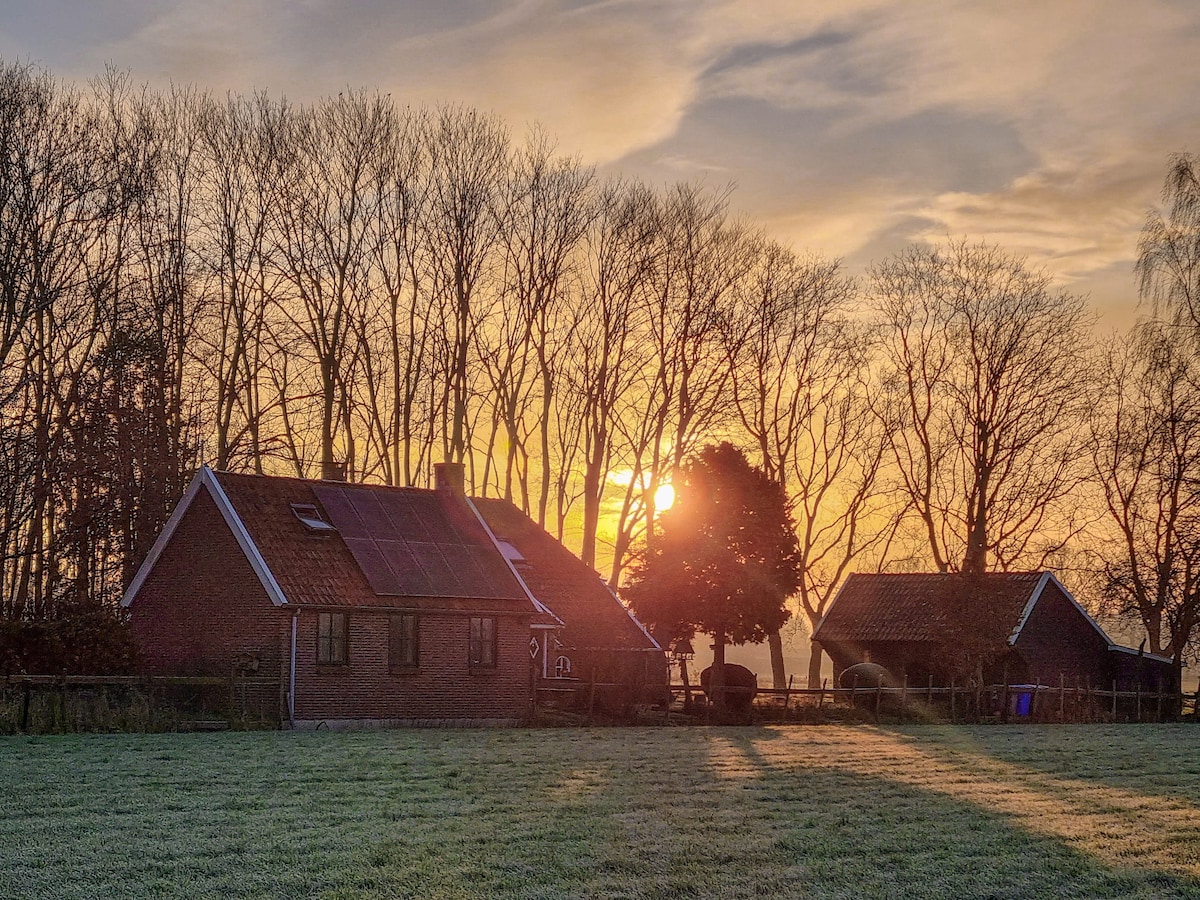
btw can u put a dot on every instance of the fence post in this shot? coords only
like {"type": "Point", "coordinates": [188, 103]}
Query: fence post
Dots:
{"type": "Point", "coordinates": [1138, 695]}
{"type": "Point", "coordinates": [953, 691]}
{"type": "Point", "coordinates": [1062, 694]}
{"type": "Point", "coordinates": [821, 695]}
{"type": "Point", "coordinates": [903, 697]}
{"type": "Point", "coordinates": [1114, 700]}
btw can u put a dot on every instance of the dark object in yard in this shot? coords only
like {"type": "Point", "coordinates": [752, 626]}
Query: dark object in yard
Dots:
{"type": "Point", "coordinates": [866, 675]}
{"type": "Point", "coordinates": [741, 685]}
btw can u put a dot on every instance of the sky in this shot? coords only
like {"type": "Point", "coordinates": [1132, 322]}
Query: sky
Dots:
{"type": "Point", "coordinates": [850, 128]}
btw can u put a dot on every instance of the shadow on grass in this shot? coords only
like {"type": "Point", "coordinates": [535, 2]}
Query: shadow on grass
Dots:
{"type": "Point", "coordinates": [539, 814]}
{"type": "Point", "coordinates": [1154, 760]}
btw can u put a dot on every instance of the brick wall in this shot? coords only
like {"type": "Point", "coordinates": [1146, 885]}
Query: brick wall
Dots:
{"type": "Point", "coordinates": [442, 687]}
{"type": "Point", "coordinates": [203, 606]}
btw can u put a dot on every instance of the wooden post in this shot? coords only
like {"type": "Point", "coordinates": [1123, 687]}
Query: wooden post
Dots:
{"type": "Point", "coordinates": [1004, 703]}
{"type": "Point", "coordinates": [1114, 700]}
{"type": "Point", "coordinates": [592, 696]}
{"type": "Point", "coordinates": [903, 697]}
{"type": "Point", "coordinates": [1062, 694]}
{"type": "Point", "coordinates": [1139, 701]}
{"type": "Point", "coordinates": [953, 691]}
{"type": "Point", "coordinates": [821, 695]}
{"type": "Point", "coordinates": [787, 698]}
{"type": "Point", "coordinates": [929, 695]}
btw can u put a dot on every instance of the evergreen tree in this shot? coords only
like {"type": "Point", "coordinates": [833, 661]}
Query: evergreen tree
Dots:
{"type": "Point", "coordinates": [724, 561]}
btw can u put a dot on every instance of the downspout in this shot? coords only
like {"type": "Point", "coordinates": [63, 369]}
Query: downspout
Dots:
{"type": "Point", "coordinates": [545, 654]}
{"type": "Point", "coordinates": [292, 675]}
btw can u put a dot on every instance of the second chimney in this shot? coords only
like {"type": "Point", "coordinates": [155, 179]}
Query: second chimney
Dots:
{"type": "Point", "coordinates": [450, 476]}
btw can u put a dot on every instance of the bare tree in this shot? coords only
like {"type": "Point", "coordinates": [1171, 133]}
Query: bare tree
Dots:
{"type": "Point", "coordinates": [986, 386]}
{"type": "Point", "coordinates": [326, 200]}
{"type": "Point", "coordinates": [798, 369]}
{"type": "Point", "coordinates": [469, 153]}
{"type": "Point", "coordinates": [1146, 452]}
{"type": "Point", "coordinates": [620, 251]}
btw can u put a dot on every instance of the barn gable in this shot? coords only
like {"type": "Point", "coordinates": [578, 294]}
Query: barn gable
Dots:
{"type": "Point", "coordinates": [902, 621]}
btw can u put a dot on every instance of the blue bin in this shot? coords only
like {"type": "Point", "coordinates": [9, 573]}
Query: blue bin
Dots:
{"type": "Point", "coordinates": [1020, 699]}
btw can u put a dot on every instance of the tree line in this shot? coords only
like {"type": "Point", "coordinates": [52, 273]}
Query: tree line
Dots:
{"type": "Point", "coordinates": [357, 286]}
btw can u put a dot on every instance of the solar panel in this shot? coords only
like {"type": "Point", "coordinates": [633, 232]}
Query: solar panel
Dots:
{"type": "Point", "coordinates": [407, 525]}
{"type": "Point", "coordinates": [403, 563]}
{"type": "Point", "coordinates": [379, 574]}
{"type": "Point", "coordinates": [416, 543]}
{"type": "Point", "coordinates": [341, 513]}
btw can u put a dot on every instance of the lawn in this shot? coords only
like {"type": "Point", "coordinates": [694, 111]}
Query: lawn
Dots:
{"type": "Point", "coordinates": [1022, 811]}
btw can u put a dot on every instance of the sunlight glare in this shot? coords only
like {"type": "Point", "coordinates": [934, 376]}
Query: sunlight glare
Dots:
{"type": "Point", "coordinates": [664, 497]}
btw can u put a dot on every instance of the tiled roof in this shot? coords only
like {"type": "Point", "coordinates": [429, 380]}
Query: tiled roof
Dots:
{"type": "Point", "coordinates": [592, 614]}
{"type": "Point", "coordinates": [391, 542]}
{"type": "Point", "coordinates": [915, 607]}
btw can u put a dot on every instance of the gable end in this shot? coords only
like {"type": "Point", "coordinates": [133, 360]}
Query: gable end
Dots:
{"type": "Point", "coordinates": [207, 479]}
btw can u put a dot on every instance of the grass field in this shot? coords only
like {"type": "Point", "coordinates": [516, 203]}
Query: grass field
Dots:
{"type": "Point", "coordinates": [1057, 811]}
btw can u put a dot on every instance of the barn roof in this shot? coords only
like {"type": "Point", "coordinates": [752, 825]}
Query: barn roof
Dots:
{"type": "Point", "coordinates": [593, 615]}
{"type": "Point", "coordinates": [340, 544]}
{"type": "Point", "coordinates": [916, 606]}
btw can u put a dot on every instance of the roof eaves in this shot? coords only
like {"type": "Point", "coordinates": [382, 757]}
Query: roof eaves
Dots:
{"type": "Point", "coordinates": [1030, 604]}
{"type": "Point", "coordinates": [632, 617]}
{"type": "Point", "coordinates": [1133, 651]}
{"type": "Point", "coordinates": [816, 635]}
{"type": "Point", "coordinates": [538, 605]}
{"type": "Point", "coordinates": [206, 478]}
{"type": "Point", "coordinates": [238, 527]}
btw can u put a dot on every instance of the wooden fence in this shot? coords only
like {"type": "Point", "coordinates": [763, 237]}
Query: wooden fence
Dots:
{"type": "Point", "coordinates": [74, 703]}
{"type": "Point", "coordinates": [1005, 703]}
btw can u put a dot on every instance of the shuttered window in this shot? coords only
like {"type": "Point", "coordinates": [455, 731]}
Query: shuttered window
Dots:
{"type": "Point", "coordinates": [403, 636]}
{"type": "Point", "coordinates": [333, 639]}
{"type": "Point", "coordinates": [482, 646]}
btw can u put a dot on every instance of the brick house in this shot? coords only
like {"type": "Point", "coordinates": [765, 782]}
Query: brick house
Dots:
{"type": "Point", "coordinates": [1032, 627]}
{"type": "Point", "coordinates": [372, 604]}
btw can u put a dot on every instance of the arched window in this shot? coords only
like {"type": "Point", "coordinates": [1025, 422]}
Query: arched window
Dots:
{"type": "Point", "coordinates": [562, 667]}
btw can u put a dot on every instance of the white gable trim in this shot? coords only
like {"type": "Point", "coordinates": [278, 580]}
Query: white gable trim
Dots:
{"type": "Point", "coordinates": [207, 479]}
{"type": "Point", "coordinates": [1047, 578]}
{"type": "Point", "coordinates": [538, 605]}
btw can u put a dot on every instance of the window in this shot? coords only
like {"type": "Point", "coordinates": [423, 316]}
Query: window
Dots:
{"type": "Point", "coordinates": [402, 641]}
{"type": "Point", "coordinates": [310, 518]}
{"type": "Point", "coordinates": [482, 648]}
{"type": "Point", "coordinates": [562, 667]}
{"type": "Point", "coordinates": [332, 639]}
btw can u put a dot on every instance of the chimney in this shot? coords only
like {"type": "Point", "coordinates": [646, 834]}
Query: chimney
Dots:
{"type": "Point", "coordinates": [333, 471]}
{"type": "Point", "coordinates": [450, 476]}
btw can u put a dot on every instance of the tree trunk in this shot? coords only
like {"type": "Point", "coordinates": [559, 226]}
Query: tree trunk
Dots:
{"type": "Point", "coordinates": [814, 667]}
{"type": "Point", "coordinates": [716, 683]}
{"type": "Point", "coordinates": [778, 673]}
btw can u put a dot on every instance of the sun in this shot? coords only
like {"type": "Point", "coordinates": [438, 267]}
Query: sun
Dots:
{"type": "Point", "coordinates": [664, 494]}
{"type": "Point", "coordinates": [664, 497]}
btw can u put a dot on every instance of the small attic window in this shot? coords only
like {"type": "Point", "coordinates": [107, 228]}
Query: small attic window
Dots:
{"type": "Point", "coordinates": [310, 518]}
{"type": "Point", "coordinates": [510, 551]}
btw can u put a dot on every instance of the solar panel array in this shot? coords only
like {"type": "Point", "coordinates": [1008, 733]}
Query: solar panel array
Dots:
{"type": "Point", "coordinates": [417, 543]}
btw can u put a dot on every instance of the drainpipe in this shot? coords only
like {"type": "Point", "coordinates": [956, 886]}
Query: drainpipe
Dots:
{"type": "Point", "coordinates": [292, 676]}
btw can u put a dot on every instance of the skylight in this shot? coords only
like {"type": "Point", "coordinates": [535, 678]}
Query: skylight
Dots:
{"type": "Point", "coordinates": [510, 551]}
{"type": "Point", "coordinates": [310, 518]}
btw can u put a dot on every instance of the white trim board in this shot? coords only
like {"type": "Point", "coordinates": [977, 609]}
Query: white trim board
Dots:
{"type": "Point", "coordinates": [206, 478]}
